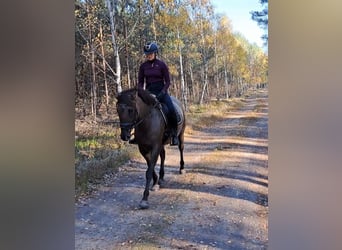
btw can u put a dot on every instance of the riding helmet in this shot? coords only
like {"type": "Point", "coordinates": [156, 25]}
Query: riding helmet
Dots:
{"type": "Point", "coordinates": [150, 48]}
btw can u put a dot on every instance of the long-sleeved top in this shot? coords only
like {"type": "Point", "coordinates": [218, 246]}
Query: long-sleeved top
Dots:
{"type": "Point", "coordinates": [156, 75]}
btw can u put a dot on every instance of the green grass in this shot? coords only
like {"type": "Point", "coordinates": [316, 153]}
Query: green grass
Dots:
{"type": "Point", "coordinates": [87, 144]}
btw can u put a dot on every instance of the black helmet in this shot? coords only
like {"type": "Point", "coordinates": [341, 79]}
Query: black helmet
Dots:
{"type": "Point", "coordinates": [150, 48]}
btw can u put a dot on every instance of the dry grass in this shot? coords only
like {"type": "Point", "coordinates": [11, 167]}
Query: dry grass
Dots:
{"type": "Point", "coordinates": [98, 151]}
{"type": "Point", "coordinates": [202, 116]}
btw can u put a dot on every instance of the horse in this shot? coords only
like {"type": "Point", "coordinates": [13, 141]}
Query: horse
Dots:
{"type": "Point", "coordinates": [139, 109]}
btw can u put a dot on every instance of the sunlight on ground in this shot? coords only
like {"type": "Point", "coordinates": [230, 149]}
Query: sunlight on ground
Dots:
{"type": "Point", "coordinates": [227, 140]}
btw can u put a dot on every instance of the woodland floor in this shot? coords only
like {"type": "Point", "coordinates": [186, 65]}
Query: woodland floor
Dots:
{"type": "Point", "coordinates": [221, 202]}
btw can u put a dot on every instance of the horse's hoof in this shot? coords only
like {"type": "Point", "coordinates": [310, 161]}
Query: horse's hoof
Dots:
{"type": "Point", "coordinates": [155, 188]}
{"type": "Point", "coordinates": [161, 183]}
{"type": "Point", "coordinates": [143, 204]}
{"type": "Point", "coordinates": [182, 171]}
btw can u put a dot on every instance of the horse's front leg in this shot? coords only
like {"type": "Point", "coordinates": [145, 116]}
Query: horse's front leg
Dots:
{"type": "Point", "coordinates": [149, 174]}
{"type": "Point", "coordinates": [151, 159]}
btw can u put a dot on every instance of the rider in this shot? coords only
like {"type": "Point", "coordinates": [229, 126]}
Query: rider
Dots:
{"type": "Point", "coordinates": [157, 77]}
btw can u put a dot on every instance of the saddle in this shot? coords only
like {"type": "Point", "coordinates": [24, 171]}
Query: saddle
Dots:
{"type": "Point", "coordinates": [179, 113]}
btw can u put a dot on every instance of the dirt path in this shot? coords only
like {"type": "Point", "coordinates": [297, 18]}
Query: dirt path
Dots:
{"type": "Point", "coordinates": [220, 203]}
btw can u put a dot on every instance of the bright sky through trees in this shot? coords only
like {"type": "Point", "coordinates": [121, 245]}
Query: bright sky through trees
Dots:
{"type": "Point", "coordinates": [238, 11]}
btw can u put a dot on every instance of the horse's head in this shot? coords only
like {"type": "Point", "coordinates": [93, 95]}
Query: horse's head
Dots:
{"type": "Point", "coordinates": [127, 111]}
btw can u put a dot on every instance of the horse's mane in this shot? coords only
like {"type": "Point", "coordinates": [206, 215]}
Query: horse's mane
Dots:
{"type": "Point", "coordinates": [121, 97]}
{"type": "Point", "coordinates": [145, 95]}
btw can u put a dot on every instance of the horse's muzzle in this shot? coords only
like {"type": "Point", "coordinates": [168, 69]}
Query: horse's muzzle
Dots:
{"type": "Point", "coordinates": [125, 134]}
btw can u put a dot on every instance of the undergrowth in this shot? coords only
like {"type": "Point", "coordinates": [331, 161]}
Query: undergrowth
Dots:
{"type": "Point", "coordinates": [98, 151]}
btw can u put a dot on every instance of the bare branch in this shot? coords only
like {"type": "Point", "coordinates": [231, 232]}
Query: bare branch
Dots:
{"type": "Point", "coordinates": [96, 52]}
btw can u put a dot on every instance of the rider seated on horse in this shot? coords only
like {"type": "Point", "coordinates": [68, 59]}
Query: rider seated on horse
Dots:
{"type": "Point", "coordinates": [155, 74]}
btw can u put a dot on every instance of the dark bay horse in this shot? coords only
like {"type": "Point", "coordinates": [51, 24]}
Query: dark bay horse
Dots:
{"type": "Point", "coordinates": [140, 110]}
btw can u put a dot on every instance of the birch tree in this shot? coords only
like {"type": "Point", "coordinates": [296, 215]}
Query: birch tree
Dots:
{"type": "Point", "coordinates": [111, 6]}
{"type": "Point", "coordinates": [174, 15]}
{"type": "Point", "coordinates": [225, 49]}
{"type": "Point", "coordinates": [202, 10]}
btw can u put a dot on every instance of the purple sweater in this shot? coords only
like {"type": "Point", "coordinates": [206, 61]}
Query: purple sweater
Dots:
{"type": "Point", "coordinates": [155, 73]}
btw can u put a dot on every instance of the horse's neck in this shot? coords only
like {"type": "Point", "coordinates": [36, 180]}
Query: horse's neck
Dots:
{"type": "Point", "coordinates": [143, 108]}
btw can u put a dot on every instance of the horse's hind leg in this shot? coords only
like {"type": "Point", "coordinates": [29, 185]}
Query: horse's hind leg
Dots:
{"type": "Point", "coordinates": [181, 149]}
{"type": "Point", "coordinates": [161, 170]}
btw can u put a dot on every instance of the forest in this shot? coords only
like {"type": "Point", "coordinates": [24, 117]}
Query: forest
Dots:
{"type": "Point", "coordinates": [206, 59]}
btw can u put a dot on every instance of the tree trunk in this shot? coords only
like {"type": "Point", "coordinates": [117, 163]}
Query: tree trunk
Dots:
{"type": "Point", "coordinates": [153, 21]}
{"type": "Point", "coordinates": [93, 85]}
{"type": "Point", "coordinates": [204, 63]}
{"type": "Point", "coordinates": [183, 90]}
{"type": "Point", "coordinates": [205, 82]}
{"type": "Point", "coordinates": [216, 72]}
{"type": "Point", "coordinates": [118, 71]}
{"type": "Point", "coordinates": [226, 80]}
{"type": "Point", "coordinates": [104, 68]}
{"type": "Point", "coordinates": [126, 54]}
{"type": "Point", "coordinates": [93, 92]}
{"type": "Point", "coordinates": [117, 75]}
{"type": "Point", "coordinates": [192, 83]}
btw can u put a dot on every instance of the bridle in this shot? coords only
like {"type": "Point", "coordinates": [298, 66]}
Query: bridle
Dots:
{"type": "Point", "coordinates": [136, 121]}
{"type": "Point", "coordinates": [128, 125]}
